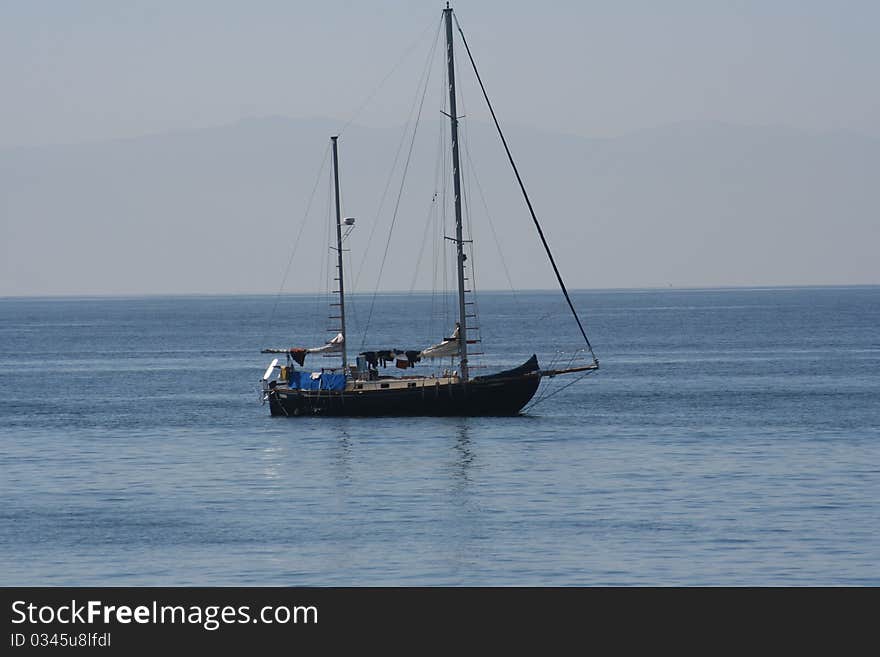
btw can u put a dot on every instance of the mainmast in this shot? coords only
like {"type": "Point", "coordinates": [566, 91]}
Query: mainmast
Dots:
{"type": "Point", "coordinates": [459, 242]}
{"type": "Point", "coordinates": [341, 278]}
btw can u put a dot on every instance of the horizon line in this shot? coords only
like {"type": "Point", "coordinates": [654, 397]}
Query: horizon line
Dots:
{"type": "Point", "coordinates": [159, 295]}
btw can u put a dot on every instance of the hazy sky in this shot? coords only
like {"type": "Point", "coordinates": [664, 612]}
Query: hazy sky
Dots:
{"type": "Point", "coordinates": [674, 143]}
{"type": "Point", "coordinates": [73, 71]}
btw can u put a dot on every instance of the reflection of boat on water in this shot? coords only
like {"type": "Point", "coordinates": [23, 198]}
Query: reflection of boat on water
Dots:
{"type": "Point", "coordinates": [357, 389]}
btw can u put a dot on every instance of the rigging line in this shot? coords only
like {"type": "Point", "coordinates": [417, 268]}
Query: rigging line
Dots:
{"type": "Point", "coordinates": [557, 360]}
{"type": "Point", "coordinates": [375, 222]}
{"type": "Point", "coordinates": [323, 285]}
{"type": "Point", "coordinates": [556, 392]}
{"type": "Point", "coordinates": [432, 213]}
{"type": "Point", "coordinates": [394, 163]}
{"type": "Point", "coordinates": [549, 390]}
{"type": "Point", "coordinates": [465, 187]}
{"type": "Point", "coordinates": [571, 360]}
{"type": "Point", "coordinates": [428, 222]}
{"type": "Point", "coordinates": [373, 93]}
{"type": "Point", "coordinates": [435, 219]}
{"type": "Point", "coordinates": [536, 400]}
{"type": "Point", "coordinates": [473, 170]}
{"type": "Point", "coordinates": [464, 139]}
{"type": "Point", "coordinates": [525, 195]}
{"type": "Point", "coordinates": [465, 195]}
{"type": "Point", "coordinates": [442, 277]}
{"type": "Point", "coordinates": [351, 306]}
{"type": "Point", "coordinates": [412, 142]}
{"type": "Point", "coordinates": [438, 310]}
{"type": "Point", "coordinates": [296, 242]}
{"type": "Point", "coordinates": [444, 196]}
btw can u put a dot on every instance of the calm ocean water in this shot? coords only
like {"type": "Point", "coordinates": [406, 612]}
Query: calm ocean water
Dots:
{"type": "Point", "coordinates": [732, 437]}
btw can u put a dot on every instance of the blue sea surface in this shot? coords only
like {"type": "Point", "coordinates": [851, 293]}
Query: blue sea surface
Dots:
{"type": "Point", "coordinates": [731, 437]}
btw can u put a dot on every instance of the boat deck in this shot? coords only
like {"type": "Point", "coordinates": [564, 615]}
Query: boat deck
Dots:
{"type": "Point", "coordinates": [399, 383]}
{"type": "Point", "coordinates": [391, 383]}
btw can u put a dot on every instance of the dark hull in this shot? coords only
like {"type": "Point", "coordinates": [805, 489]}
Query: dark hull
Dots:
{"type": "Point", "coordinates": [501, 394]}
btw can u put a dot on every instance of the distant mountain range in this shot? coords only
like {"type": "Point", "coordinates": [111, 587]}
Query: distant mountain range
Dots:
{"type": "Point", "coordinates": [217, 210]}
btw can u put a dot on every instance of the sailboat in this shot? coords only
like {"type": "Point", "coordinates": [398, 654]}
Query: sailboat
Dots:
{"type": "Point", "coordinates": [358, 389]}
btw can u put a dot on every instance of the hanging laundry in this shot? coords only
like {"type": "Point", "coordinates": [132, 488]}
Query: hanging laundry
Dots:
{"type": "Point", "coordinates": [298, 354]}
{"type": "Point", "coordinates": [371, 357]}
{"type": "Point", "coordinates": [398, 357]}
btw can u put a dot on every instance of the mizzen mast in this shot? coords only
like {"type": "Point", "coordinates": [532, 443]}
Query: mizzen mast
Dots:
{"type": "Point", "coordinates": [341, 278]}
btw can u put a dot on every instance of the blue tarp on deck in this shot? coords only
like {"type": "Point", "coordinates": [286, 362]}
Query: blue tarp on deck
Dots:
{"type": "Point", "coordinates": [324, 381]}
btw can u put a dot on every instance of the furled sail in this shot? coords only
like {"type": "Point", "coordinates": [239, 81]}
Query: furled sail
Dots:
{"type": "Point", "coordinates": [449, 348]}
{"type": "Point", "coordinates": [333, 346]}
{"type": "Point", "coordinates": [299, 354]}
